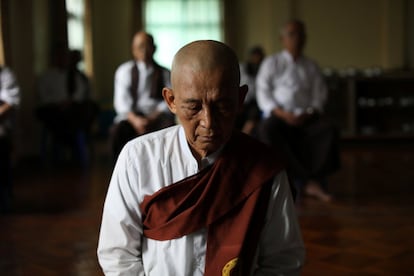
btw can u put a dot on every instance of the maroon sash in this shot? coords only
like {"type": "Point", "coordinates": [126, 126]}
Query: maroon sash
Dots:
{"type": "Point", "coordinates": [230, 198]}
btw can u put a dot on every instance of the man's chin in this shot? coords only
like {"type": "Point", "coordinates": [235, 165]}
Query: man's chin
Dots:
{"type": "Point", "coordinates": [209, 148]}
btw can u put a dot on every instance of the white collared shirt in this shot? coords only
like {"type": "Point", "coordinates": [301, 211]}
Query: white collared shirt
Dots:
{"type": "Point", "coordinates": [293, 85]}
{"type": "Point", "coordinates": [153, 161]}
{"type": "Point", "coordinates": [10, 94]}
{"type": "Point", "coordinates": [122, 96]}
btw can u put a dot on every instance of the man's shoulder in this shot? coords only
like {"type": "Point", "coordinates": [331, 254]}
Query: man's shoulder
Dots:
{"type": "Point", "coordinates": [125, 65]}
{"type": "Point", "coordinates": [311, 65]}
{"type": "Point", "coordinates": [153, 140]}
{"type": "Point", "coordinates": [161, 67]}
{"type": "Point", "coordinates": [6, 72]}
{"type": "Point", "coordinates": [276, 56]}
{"type": "Point", "coordinates": [273, 60]}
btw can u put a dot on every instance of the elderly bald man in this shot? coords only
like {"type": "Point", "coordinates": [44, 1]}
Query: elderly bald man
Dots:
{"type": "Point", "coordinates": [200, 198]}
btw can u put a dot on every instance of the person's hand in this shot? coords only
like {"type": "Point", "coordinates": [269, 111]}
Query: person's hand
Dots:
{"type": "Point", "coordinates": [140, 123]}
{"type": "Point", "coordinates": [153, 116]}
{"type": "Point", "coordinates": [248, 126]}
{"type": "Point", "coordinates": [302, 118]}
{"type": "Point", "coordinates": [289, 117]}
{"type": "Point", "coordinates": [4, 108]}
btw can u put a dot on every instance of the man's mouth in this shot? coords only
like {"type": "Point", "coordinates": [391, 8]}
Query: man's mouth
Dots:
{"type": "Point", "coordinates": [209, 138]}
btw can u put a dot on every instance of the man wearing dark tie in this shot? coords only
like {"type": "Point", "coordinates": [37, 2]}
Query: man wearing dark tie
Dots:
{"type": "Point", "coordinates": [138, 100]}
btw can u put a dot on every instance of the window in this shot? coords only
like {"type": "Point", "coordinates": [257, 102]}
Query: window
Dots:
{"type": "Point", "coordinates": [173, 23]}
{"type": "Point", "coordinates": [75, 11]}
{"type": "Point", "coordinates": [75, 24]}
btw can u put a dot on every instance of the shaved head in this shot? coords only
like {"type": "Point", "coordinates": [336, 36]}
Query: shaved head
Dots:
{"type": "Point", "coordinates": [142, 35]}
{"type": "Point", "coordinates": [143, 47]}
{"type": "Point", "coordinates": [293, 37]}
{"type": "Point", "coordinates": [206, 95]}
{"type": "Point", "coordinates": [206, 56]}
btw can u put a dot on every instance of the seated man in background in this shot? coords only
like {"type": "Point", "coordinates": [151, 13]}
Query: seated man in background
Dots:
{"type": "Point", "coordinates": [291, 93]}
{"type": "Point", "coordinates": [9, 100]}
{"type": "Point", "coordinates": [250, 114]}
{"type": "Point", "coordinates": [200, 198]}
{"type": "Point", "coordinates": [138, 100]}
{"type": "Point", "coordinates": [66, 107]}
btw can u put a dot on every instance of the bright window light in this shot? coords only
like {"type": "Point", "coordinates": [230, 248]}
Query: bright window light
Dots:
{"type": "Point", "coordinates": [174, 23]}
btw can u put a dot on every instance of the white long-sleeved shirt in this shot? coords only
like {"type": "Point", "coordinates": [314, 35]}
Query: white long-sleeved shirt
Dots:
{"type": "Point", "coordinates": [292, 85]}
{"type": "Point", "coordinates": [122, 96]}
{"type": "Point", "coordinates": [153, 161]}
{"type": "Point", "coordinates": [9, 94]}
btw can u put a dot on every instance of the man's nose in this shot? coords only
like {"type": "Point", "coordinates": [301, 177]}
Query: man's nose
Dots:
{"type": "Point", "coordinates": [207, 118]}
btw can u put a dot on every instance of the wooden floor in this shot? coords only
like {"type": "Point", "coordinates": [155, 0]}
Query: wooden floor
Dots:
{"type": "Point", "coordinates": [368, 230]}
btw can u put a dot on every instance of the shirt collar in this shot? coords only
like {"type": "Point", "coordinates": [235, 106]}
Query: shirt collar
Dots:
{"type": "Point", "coordinates": [286, 55]}
{"type": "Point", "coordinates": [143, 67]}
{"type": "Point", "coordinates": [210, 159]}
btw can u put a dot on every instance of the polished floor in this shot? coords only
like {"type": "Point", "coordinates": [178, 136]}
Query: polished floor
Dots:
{"type": "Point", "coordinates": [367, 230]}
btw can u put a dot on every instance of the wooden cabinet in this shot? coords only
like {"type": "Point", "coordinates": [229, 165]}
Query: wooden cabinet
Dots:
{"type": "Point", "coordinates": [379, 107]}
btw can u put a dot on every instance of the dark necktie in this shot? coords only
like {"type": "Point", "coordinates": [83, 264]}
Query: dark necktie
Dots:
{"type": "Point", "coordinates": [134, 85]}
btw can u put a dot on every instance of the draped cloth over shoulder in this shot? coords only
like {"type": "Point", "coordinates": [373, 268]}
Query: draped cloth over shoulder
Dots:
{"type": "Point", "coordinates": [229, 198]}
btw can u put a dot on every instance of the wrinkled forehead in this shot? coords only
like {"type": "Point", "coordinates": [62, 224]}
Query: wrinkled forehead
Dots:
{"type": "Point", "coordinates": [206, 86]}
{"type": "Point", "coordinates": [196, 72]}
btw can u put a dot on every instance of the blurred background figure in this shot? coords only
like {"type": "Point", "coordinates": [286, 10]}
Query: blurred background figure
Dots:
{"type": "Point", "coordinates": [66, 108]}
{"type": "Point", "coordinates": [292, 93]}
{"type": "Point", "coordinates": [250, 115]}
{"type": "Point", "coordinates": [138, 101]}
{"type": "Point", "coordinates": [9, 100]}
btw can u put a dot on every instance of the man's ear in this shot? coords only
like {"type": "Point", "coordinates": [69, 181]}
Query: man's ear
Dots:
{"type": "Point", "coordinates": [169, 98]}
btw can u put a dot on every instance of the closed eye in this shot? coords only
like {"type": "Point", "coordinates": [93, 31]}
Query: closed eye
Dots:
{"type": "Point", "coordinates": [224, 106]}
{"type": "Point", "coordinates": [192, 106]}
